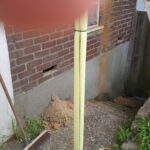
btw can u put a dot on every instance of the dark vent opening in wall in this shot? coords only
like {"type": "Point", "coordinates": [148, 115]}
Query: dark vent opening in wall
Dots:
{"type": "Point", "coordinates": [51, 68]}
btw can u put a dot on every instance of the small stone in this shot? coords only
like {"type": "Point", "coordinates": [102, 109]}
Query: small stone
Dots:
{"type": "Point", "coordinates": [144, 111]}
{"type": "Point", "coordinates": [129, 146]}
{"type": "Point", "coordinates": [92, 139]}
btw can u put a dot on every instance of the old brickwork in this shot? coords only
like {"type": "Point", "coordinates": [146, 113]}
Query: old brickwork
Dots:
{"type": "Point", "coordinates": [38, 55]}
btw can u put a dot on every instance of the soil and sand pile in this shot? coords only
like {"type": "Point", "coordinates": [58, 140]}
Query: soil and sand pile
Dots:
{"type": "Point", "coordinates": [58, 113]}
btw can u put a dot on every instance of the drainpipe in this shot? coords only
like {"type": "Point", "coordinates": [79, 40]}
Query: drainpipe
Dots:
{"type": "Point", "coordinates": [80, 45]}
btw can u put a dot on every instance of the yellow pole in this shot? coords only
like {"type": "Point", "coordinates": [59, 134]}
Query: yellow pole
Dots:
{"type": "Point", "coordinates": [80, 45]}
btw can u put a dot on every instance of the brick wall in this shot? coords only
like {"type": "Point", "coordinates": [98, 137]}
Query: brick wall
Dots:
{"type": "Point", "coordinates": [33, 52]}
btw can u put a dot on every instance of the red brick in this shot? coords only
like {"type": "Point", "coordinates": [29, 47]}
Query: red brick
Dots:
{"type": "Point", "coordinates": [32, 49]}
{"type": "Point", "coordinates": [43, 49]}
{"type": "Point", "coordinates": [41, 80]}
{"type": "Point", "coordinates": [30, 34]}
{"type": "Point", "coordinates": [50, 58]}
{"type": "Point", "coordinates": [49, 44]}
{"type": "Point", "coordinates": [71, 49]}
{"type": "Point", "coordinates": [69, 44]}
{"type": "Point", "coordinates": [42, 53]}
{"type": "Point", "coordinates": [41, 39]}
{"type": "Point", "coordinates": [56, 48]}
{"type": "Point", "coordinates": [34, 63]}
{"type": "Point", "coordinates": [68, 56]}
{"type": "Point", "coordinates": [20, 83]}
{"type": "Point", "coordinates": [64, 52]}
{"type": "Point", "coordinates": [29, 86]}
{"type": "Point", "coordinates": [14, 78]}
{"type": "Point", "coordinates": [13, 63]}
{"type": "Point", "coordinates": [65, 63]}
{"type": "Point", "coordinates": [14, 37]}
{"type": "Point", "coordinates": [23, 44]}
{"type": "Point", "coordinates": [56, 61]}
{"type": "Point", "coordinates": [43, 66]}
{"type": "Point", "coordinates": [16, 54]}
{"type": "Point", "coordinates": [11, 47]}
{"type": "Point", "coordinates": [62, 40]}
{"type": "Point", "coordinates": [26, 73]}
{"type": "Point", "coordinates": [24, 59]}
{"type": "Point", "coordinates": [18, 69]}
{"type": "Point", "coordinates": [56, 35]}
{"type": "Point", "coordinates": [68, 31]}
{"type": "Point", "coordinates": [35, 77]}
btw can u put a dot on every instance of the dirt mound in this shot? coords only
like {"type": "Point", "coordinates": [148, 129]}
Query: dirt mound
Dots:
{"type": "Point", "coordinates": [57, 114]}
{"type": "Point", "coordinates": [128, 101]}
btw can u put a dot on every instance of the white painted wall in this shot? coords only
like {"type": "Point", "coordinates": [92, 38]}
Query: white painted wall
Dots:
{"type": "Point", "coordinates": [6, 115]}
{"type": "Point", "coordinates": [140, 6]}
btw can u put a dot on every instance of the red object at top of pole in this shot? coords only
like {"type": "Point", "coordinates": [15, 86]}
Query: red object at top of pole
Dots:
{"type": "Point", "coordinates": [42, 12]}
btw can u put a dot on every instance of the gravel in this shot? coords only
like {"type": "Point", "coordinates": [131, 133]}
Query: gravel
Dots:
{"type": "Point", "coordinates": [102, 121]}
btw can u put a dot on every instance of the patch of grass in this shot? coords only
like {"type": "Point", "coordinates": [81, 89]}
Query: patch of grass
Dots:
{"type": "Point", "coordinates": [1, 147]}
{"type": "Point", "coordinates": [33, 127]}
{"type": "Point", "coordinates": [143, 134]}
{"type": "Point", "coordinates": [17, 131]}
{"type": "Point", "coordinates": [123, 135]}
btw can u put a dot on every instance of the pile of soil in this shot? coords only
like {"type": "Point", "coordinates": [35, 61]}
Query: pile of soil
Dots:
{"type": "Point", "coordinates": [57, 114]}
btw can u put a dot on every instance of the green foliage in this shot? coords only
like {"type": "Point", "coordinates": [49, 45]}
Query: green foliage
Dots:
{"type": "Point", "coordinates": [117, 147]}
{"type": "Point", "coordinates": [124, 134]}
{"type": "Point", "coordinates": [1, 147]}
{"type": "Point", "coordinates": [17, 131]}
{"type": "Point", "coordinates": [143, 135]}
{"type": "Point", "coordinates": [33, 127]}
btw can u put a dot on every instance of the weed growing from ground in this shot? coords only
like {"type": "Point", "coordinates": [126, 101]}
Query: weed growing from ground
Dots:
{"type": "Point", "coordinates": [17, 131]}
{"type": "Point", "coordinates": [33, 127]}
{"type": "Point", "coordinates": [123, 135]}
{"type": "Point", "coordinates": [143, 134]}
{"type": "Point", "coordinates": [1, 147]}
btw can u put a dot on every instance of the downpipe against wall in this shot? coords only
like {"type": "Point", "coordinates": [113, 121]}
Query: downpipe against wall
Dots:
{"type": "Point", "coordinates": [80, 45]}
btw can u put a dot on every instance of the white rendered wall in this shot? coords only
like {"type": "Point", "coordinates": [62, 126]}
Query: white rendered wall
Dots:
{"type": "Point", "coordinates": [5, 111]}
{"type": "Point", "coordinates": [140, 6]}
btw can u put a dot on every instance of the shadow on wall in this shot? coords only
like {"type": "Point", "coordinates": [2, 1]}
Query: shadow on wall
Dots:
{"type": "Point", "coordinates": [116, 72]}
{"type": "Point", "coordinates": [138, 82]}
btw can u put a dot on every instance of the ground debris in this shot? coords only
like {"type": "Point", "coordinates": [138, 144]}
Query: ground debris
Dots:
{"type": "Point", "coordinates": [57, 114]}
{"type": "Point", "coordinates": [128, 102]}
